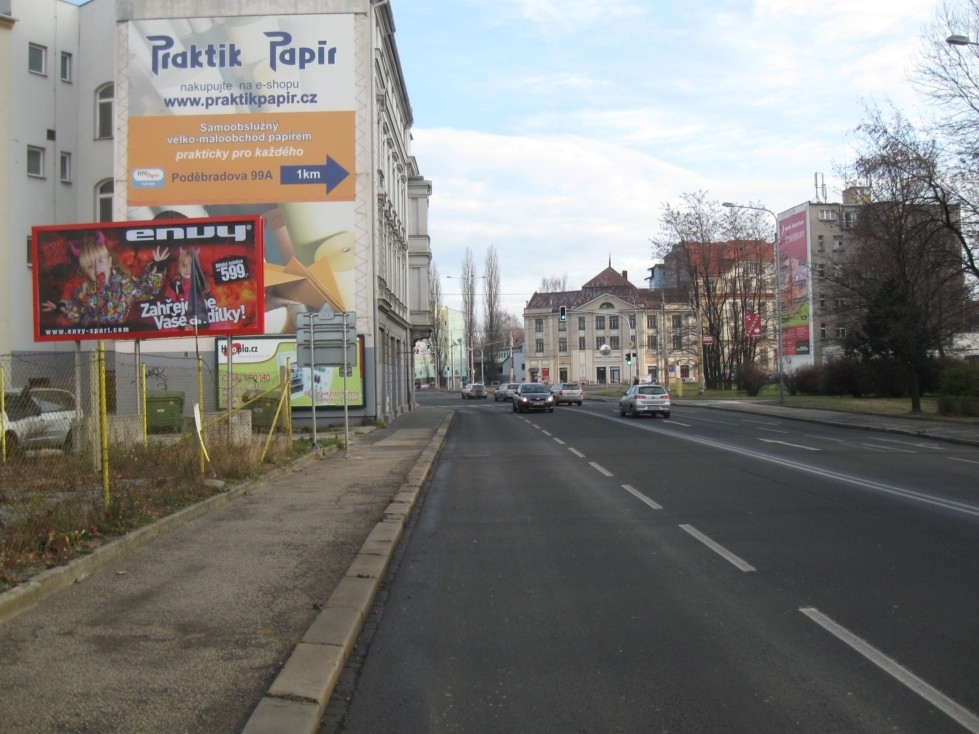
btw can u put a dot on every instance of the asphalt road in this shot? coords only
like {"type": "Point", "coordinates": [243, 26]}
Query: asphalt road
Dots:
{"type": "Point", "coordinates": [576, 571]}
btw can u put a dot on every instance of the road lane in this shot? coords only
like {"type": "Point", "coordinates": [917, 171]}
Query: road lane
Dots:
{"type": "Point", "coordinates": [538, 593]}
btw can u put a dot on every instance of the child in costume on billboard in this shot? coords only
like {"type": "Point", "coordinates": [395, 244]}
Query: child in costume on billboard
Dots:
{"type": "Point", "coordinates": [108, 289]}
{"type": "Point", "coordinates": [190, 286]}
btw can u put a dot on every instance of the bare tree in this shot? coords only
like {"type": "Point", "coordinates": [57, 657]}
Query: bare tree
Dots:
{"type": "Point", "coordinates": [439, 340]}
{"type": "Point", "coordinates": [553, 284]}
{"type": "Point", "coordinates": [491, 299]}
{"type": "Point", "coordinates": [904, 283]}
{"type": "Point", "coordinates": [469, 305]}
{"type": "Point", "coordinates": [724, 263]}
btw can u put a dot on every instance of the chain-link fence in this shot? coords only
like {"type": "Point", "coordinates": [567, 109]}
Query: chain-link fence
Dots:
{"type": "Point", "coordinates": [94, 443]}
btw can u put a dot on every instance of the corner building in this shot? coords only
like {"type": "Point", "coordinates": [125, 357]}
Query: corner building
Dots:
{"type": "Point", "coordinates": [297, 111]}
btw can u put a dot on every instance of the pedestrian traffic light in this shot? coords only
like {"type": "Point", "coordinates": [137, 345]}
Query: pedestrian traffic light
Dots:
{"type": "Point", "coordinates": [564, 313]}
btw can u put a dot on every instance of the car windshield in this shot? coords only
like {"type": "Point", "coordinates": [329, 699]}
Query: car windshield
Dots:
{"type": "Point", "coordinates": [534, 387]}
{"type": "Point", "coordinates": [571, 386]}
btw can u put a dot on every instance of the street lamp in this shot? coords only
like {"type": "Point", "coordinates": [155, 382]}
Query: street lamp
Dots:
{"type": "Point", "coordinates": [957, 40]}
{"type": "Point", "coordinates": [778, 296]}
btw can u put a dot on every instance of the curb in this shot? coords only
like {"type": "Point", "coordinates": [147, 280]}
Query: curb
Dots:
{"type": "Point", "coordinates": [298, 697]}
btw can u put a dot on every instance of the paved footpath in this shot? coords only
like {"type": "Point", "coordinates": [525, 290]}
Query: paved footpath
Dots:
{"type": "Point", "coordinates": [239, 614]}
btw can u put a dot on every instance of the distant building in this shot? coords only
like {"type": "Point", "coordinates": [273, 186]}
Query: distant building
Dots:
{"type": "Point", "coordinates": [611, 332]}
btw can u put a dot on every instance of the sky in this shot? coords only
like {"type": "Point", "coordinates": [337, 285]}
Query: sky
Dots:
{"type": "Point", "coordinates": [555, 130]}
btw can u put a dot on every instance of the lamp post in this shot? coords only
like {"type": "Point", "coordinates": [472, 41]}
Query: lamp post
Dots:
{"type": "Point", "coordinates": [470, 334]}
{"type": "Point", "coordinates": [956, 40]}
{"type": "Point", "coordinates": [778, 296]}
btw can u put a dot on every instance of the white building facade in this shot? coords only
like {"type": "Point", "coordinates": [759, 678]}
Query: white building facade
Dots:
{"type": "Point", "coordinates": [96, 96]}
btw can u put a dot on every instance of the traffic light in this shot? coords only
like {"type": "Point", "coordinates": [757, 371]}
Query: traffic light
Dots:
{"type": "Point", "coordinates": [628, 357]}
{"type": "Point", "coordinates": [564, 313]}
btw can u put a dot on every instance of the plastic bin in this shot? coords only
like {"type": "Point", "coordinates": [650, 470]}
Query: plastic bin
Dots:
{"type": "Point", "coordinates": [164, 411]}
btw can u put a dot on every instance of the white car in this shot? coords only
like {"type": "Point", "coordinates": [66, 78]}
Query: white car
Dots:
{"type": "Point", "coordinates": [39, 418]}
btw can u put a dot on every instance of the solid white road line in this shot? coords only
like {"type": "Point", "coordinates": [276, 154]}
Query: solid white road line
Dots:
{"type": "Point", "coordinates": [932, 695]}
{"type": "Point", "coordinates": [718, 549]}
{"type": "Point", "coordinates": [641, 497]}
{"type": "Point", "coordinates": [793, 445]}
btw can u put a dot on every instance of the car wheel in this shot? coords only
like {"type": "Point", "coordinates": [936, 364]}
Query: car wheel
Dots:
{"type": "Point", "coordinates": [622, 411]}
{"type": "Point", "coordinates": [579, 403]}
{"type": "Point", "coordinates": [550, 410]}
{"type": "Point", "coordinates": [66, 446]}
{"type": "Point", "coordinates": [666, 415]}
{"type": "Point", "coordinates": [634, 413]}
{"type": "Point", "coordinates": [13, 445]}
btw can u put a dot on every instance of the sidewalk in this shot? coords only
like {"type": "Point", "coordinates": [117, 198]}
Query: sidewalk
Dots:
{"type": "Point", "coordinates": [239, 614]}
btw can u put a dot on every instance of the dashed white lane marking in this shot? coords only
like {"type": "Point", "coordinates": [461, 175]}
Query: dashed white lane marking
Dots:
{"type": "Point", "coordinates": [641, 497]}
{"type": "Point", "coordinates": [793, 445]}
{"type": "Point", "coordinates": [576, 453]}
{"type": "Point", "coordinates": [720, 550]}
{"type": "Point", "coordinates": [931, 694]}
{"type": "Point", "coordinates": [600, 468]}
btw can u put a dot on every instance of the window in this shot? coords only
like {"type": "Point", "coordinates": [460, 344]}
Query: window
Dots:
{"type": "Point", "coordinates": [37, 59]}
{"type": "Point", "coordinates": [65, 66]}
{"type": "Point", "coordinates": [849, 220]}
{"type": "Point", "coordinates": [821, 244]}
{"type": "Point", "coordinates": [600, 323]}
{"type": "Point", "coordinates": [841, 332]}
{"type": "Point", "coordinates": [837, 244]}
{"type": "Point", "coordinates": [539, 326]}
{"type": "Point", "coordinates": [562, 344]}
{"type": "Point", "coordinates": [613, 341]}
{"type": "Point", "coordinates": [677, 322]}
{"type": "Point", "coordinates": [827, 215]}
{"type": "Point", "coordinates": [652, 341]}
{"type": "Point", "coordinates": [632, 321]}
{"type": "Point", "coordinates": [822, 331]}
{"type": "Point", "coordinates": [539, 346]}
{"type": "Point", "coordinates": [64, 169]}
{"type": "Point", "coordinates": [822, 271]}
{"type": "Point", "coordinates": [562, 325]}
{"type": "Point", "coordinates": [581, 343]}
{"type": "Point", "coordinates": [103, 200]}
{"type": "Point", "coordinates": [103, 112]}
{"type": "Point", "coordinates": [822, 301]}
{"type": "Point", "coordinates": [650, 322]}
{"type": "Point", "coordinates": [841, 302]}
{"type": "Point", "coordinates": [613, 323]}
{"type": "Point", "coordinates": [678, 341]}
{"type": "Point", "coordinates": [581, 324]}
{"type": "Point", "coordinates": [599, 341]}
{"type": "Point", "coordinates": [35, 161]}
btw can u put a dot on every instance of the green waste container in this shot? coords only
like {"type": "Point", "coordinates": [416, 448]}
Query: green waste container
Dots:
{"type": "Point", "coordinates": [263, 412]}
{"type": "Point", "coordinates": [164, 411]}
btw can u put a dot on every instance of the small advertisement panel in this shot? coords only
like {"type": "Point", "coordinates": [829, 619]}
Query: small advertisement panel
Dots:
{"type": "Point", "coordinates": [255, 364]}
{"type": "Point", "coordinates": [149, 279]}
{"type": "Point", "coordinates": [795, 298]}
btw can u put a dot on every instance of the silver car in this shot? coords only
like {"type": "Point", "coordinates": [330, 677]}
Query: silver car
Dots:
{"type": "Point", "coordinates": [39, 418]}
{"type": "Point", "coordinates": [645, 398]}
{"type": "Point", "coordinates": [569, 393]}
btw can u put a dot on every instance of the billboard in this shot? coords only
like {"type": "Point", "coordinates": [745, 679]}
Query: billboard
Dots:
{"type": "Point", "coordinates": [255, 365]}
{"type": "Point", "coordinates": [148, 279]}
{"type": "Point", "coordinates": [254, 114]}
{"type": "Point", "coordinates": [152, 279]}
{"type": "Point", "coordinates": [795, 297]}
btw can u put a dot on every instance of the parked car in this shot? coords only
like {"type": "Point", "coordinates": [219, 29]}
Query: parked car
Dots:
{"type": "Point", "coordinates": [532, 396]}
{"type": "Point", "coordinates": [39, 418]}
{"type": "Point", "coordinates": [645, 398]}
{"type": "Point", "coordinates": [567, 392]}
{"type": "Point", "coordinates": [474, 390]}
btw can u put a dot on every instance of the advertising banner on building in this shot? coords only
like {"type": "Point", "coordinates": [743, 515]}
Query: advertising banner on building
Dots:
{"type": "Point", "coordinates": [255, 367]}
{"type": "Point", "coordinates": [254, 114]}
{"type": "Point", "coordinates": [148, 279]}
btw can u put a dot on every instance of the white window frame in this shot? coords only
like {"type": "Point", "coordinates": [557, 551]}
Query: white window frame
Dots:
{"type": "Point", "coordinates": [37, 153]}
{"type": "Point", "coordinates": [37, 52]}
{"type": "Point", "coordinates": [64, 167]}
{"type": "Point", "coordinates": [66, 68]}
{"type": "Point", "coordinates": [105, 112]}
{"type": "Point", "coordinates": [104, 193]}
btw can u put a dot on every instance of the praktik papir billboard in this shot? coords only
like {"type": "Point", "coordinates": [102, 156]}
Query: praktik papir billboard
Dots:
{"type": "Point", "coordinates": [149, 279]}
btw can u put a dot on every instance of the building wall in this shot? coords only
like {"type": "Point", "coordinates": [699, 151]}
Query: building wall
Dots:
{"type": "Point", "coordinates": [61, 117]}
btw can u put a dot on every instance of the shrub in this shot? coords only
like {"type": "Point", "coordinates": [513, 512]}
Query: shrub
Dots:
{"type": "Point", "coordinates": [961, 380]}
{"type": "Point", "coordinates": [751, 379]}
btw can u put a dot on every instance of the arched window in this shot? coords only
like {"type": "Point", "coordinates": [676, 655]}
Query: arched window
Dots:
{"type": "Point", "coordinates": [103, 200]}
{"type": "Point", "coordinates": [104, 98]}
